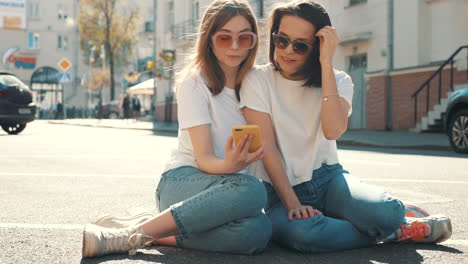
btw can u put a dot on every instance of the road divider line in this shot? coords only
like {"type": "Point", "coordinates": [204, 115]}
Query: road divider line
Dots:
{"type": "Point", "coordinates": [419, 181]}
{"type": "Point", "coordinates": [132, 176]}
{"type": "Point", "coordinates": [457, 242]}
{"type": "Point", "coordinates": [370, 162]}
{"type": "Point", "coordinates": [41, 226]}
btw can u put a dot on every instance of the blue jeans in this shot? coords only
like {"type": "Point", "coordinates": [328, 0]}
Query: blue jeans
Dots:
{"type": "Point", "coordinates": [220, 213]}
{"type": "Point", "coordinates": [356, 214]}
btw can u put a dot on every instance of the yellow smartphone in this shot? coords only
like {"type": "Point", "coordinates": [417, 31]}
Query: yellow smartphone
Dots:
{"type": "Point", "coordinates": [239, 131]}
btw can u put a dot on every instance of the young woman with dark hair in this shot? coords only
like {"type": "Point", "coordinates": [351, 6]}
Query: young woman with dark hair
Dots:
{"type": "Point", "coordinates": [302, 105]}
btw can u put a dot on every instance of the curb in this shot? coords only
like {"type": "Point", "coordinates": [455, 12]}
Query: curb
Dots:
{"type": "Point", "coordinates": [418, 147]}
{"type": "Point", "coordinates": [166, 130]}
{"type": "Point", "coordinates": [352, 143]}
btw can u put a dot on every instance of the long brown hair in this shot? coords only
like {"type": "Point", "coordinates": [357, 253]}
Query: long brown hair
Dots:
{"type": "Point", "coordinates": [315, 14]}
{"type": "Point", "coordinates": [203, 58]}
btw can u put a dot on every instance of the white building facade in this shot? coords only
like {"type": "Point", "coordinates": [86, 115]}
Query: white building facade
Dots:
{"type": "Point", "coordinates": [390, 48]}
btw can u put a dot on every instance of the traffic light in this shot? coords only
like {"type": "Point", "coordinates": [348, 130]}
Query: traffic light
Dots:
{"type": "Point", "coordinates": [149, 65]}
{"type": "Point", "coordinates": [168, 55]}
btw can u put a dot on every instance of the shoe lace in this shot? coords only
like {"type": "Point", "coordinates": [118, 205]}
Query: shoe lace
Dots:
{"type": "Point", "coordinates": [116, 241]}
{"type": "Point", "coordinates": [121, 241]}
{"type": "Point", "coordinates": [137, 241]}
{"type": "Point", "coordinates": [416, 231]}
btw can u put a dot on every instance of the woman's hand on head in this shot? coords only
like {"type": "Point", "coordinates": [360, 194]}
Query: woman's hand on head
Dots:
{"type": "Point", "coordinates": [329, 40]}
{"type": "Point", "coordinates": [302, 212]}
{"type": "Point", "coordinates": [238, 157]}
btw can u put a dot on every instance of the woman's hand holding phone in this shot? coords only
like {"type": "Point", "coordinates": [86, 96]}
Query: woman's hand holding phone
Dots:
{"type": "Point", "coordinates": [238, 157]}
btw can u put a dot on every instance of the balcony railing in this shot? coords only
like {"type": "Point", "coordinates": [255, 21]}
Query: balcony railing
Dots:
{"type": "Point", "coordinates": [184, 30]}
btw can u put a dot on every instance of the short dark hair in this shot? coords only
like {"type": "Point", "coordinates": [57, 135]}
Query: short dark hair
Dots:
{"type": "Point", "coordinates": [315, 14]}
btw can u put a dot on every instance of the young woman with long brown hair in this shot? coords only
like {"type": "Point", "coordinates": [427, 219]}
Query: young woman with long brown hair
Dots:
{"type": "Point", "coordinates": [207, 200]}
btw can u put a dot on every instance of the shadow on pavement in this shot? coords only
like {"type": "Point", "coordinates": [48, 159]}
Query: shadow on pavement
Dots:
{"type": "Point", "coordinates": [165, 134]}
{"type": "Point", "coordinates": [419, 152]}
{"type": "Point", "coordinates": [388, 253]}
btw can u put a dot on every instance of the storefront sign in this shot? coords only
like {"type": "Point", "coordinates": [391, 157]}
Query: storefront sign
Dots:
{"type": "Point", "coordinates": [10, 57]}
{"type": "Point", "coordinates": [13, 14]}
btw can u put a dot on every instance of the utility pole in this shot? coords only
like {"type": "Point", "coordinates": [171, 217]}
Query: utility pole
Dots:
{"type": "Point", "coordinates": [153, 102]}
{"type": "Point", "coordinates": [388, 71]}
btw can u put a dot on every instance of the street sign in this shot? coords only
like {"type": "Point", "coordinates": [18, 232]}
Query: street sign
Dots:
{"type": "Point", "coordinates": [64, 64]}
{"type": "Point", "coordinates": [64, 78]}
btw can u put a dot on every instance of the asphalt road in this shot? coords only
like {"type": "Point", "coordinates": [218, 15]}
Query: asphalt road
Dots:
{"type": "Point", "coordinates": [56, 178]}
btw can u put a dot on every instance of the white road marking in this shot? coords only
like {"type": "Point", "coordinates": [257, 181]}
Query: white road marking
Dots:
{"type": "Point", "coordinates": [412, 197]}
{"type": "Point", "coordinates": [370, 162]}
{"type": "Point", "coordinates": [38, 174]}
{"type": "Point", "coordinates": [41, 226]}
{"type": "Point", "coordinates": [458, 242]}
{"type": "Point", "coordinates": [419, 181]}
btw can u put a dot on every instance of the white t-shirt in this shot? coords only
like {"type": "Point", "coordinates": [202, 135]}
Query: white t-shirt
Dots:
{"type": "Point", "coordinates": [295, 113]}
{"type": "Point", "coordinates": [197, 106]}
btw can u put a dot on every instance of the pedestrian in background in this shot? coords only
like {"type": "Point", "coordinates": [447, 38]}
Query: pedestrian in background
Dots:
{"type": "Point", "coordinates": [208, 202]}
{"type": "Point", "coordinates": [126, 106]}
{"type": "Point", "coordinates": [136, 107]}
{"type": "Point", "coordinates": [302, 105]}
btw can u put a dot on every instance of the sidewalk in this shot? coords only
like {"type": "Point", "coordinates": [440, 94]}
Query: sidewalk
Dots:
{"type": "Point", "coordinates": [380, 139]}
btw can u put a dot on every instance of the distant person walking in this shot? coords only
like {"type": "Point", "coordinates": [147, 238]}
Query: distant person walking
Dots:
{"type": "Point", "coordinates": [126, 106]}
{"type": "Point", "coordinates": [136, 107]}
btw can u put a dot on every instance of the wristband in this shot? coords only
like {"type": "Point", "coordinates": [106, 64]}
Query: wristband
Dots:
{"type": "Point", "coordinates": [325, 98]}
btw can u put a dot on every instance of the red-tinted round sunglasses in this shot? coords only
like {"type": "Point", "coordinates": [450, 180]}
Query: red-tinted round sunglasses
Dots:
{"type": "Point", "coordinates": [224, 40]}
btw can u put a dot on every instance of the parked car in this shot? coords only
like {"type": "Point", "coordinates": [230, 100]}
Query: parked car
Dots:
{"type": "Point", "coordinates": [456, 120]}
{"type": "Point", "coordinates": [110, 110]}
{"type": "Point", "coordinates": [16, 104]}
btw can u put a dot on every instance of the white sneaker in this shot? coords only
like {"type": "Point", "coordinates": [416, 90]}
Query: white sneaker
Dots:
{"type": "Point", "coordinates": [112, 221]}
{"type": "Point", "coordinates": [98, 241]}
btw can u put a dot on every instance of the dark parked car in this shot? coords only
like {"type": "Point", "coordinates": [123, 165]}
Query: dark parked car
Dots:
{"type": "Point", "coordinates": [16, 104]}
{"type": "Point", "coordinates": [456, 120]}
{"type": "Point", "coordinates": [110, 110]}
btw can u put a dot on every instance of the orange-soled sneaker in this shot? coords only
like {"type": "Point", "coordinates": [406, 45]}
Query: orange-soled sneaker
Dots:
{"type": "Point", "coordinates": [415, 211]}
{"type": "Point", "coordinates": [430, 229]}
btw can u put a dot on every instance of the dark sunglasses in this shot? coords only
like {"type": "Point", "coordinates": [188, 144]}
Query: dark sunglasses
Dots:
{"type": "Point", "coordinates": [299, 46]}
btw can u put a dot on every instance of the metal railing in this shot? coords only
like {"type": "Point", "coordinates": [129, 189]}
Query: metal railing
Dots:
{"type": "Point", "coordinates": [185, 29]}
{"type": "Point", "coordinates": [427, 84]}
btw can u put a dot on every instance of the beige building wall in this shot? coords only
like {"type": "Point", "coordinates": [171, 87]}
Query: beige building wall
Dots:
{"type": "Point", "coordinates": [44, 21]}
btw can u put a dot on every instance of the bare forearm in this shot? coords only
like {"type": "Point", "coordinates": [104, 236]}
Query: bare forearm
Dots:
{"type": "Point", "coordinates": [279, 179]}
{"type": "Point", "coordinates": [210, 164]}
{"type": "Point", "coordinates": [334, 116]}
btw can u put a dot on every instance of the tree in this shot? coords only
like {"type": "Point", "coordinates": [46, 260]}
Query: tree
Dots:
{"type": "Point", "coordinates": [111, 27]}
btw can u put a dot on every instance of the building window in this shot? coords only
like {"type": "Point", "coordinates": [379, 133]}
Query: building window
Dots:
{"type": "Point", "coordinates": [149, 26]}
{"type": "Point", "coordinates": [356, 2]}
{"type": "Point", "coordinates": [257, 6]}
{"type": "Point", "coordinates": [62, 11]}
{"type": "Point", "coordinates": [62, 42]}
{"type": "Point", "coordinates": [33, 40]}
{"type": "Point", "coordinates": [33, 10]}
{"type": "Point", "coordinates": [170, 16]}
{"type": "Point", "coordinates": [195, 10]}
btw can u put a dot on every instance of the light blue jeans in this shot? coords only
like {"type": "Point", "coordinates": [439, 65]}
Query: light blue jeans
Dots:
{"type": "Point", "coordinates": [356, 214]}
{"type": "Point", "coordinates": [220, 213]}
